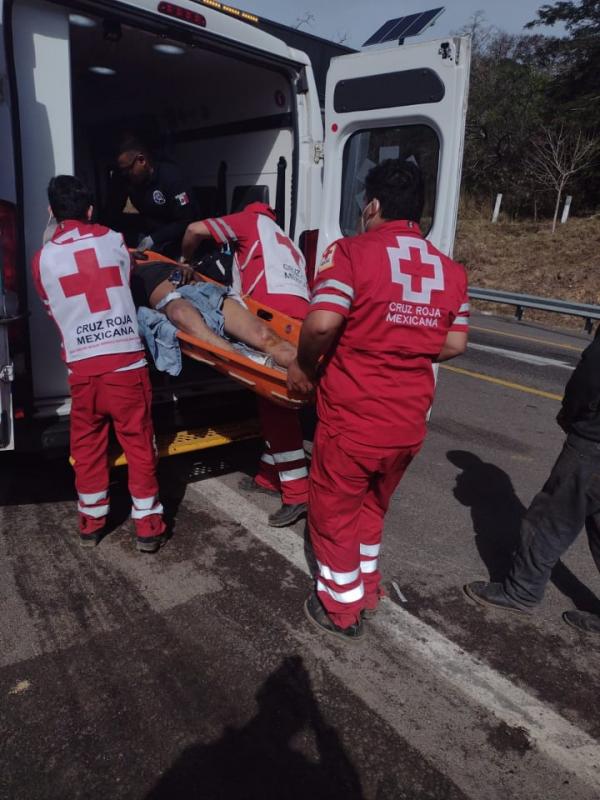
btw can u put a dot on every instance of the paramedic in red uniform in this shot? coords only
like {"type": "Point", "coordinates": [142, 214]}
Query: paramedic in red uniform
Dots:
{"type": "Point", "coordinates": [269, 268]}
{"type": "Point", "coordinates": [82, 277]}
{"type": "Point", "coordinates": [386, 305]}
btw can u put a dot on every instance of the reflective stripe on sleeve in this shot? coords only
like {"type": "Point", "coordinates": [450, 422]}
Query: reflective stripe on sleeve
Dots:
{"type": "Point", "coordinates": [341, 578]}
{"type": "Point", "coordinates": [464, 308]}
{"type": "Point", "coordinates": [293, 474]}
{"type": "Point", "coordinates": [351, 596]}
{"type": "Point", "coordinates": [370, 550]}
{"type": "Point", "coordinates": [461, 321]}
{"type": "Point", "coordinates": [331, 298]}
{"type": "Point", "coordinates": [227, 228]}
{"type": "Point", "coordinates": [212, 223]}
{"type": "Point", "coordinates": [331, 283]}
{"type": "Point", "coordinates": [267, 459]}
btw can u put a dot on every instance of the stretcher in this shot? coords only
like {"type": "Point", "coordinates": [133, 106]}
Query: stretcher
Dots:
{"type": "Point", "coordinates": [263, 380]}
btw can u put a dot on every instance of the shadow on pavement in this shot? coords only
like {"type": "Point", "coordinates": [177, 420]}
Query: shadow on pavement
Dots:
{"type": "Point", "coordinates": [260, 761]}
{"type": "Point", "coordinates": [496, 512]}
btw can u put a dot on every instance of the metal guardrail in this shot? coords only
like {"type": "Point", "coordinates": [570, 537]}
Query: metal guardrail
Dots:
{"type": "Point", "coordinates": [523, 301]}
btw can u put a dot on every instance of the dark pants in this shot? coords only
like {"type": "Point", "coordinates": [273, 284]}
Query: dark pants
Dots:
{"type": "Point", "coordinates": [569, 501]}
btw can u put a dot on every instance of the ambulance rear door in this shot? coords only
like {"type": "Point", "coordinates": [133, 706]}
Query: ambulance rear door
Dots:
{"type": "Point", "coordinates": [406, 102]}
{"type": "Point", "coordinates": [8, 316]}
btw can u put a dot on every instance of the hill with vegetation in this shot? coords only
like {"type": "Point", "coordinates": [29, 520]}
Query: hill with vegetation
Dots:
{"type": "Point", "coordinates": [526, 257]}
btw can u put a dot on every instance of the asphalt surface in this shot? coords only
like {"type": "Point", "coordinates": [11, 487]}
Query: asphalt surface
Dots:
{"type": "Point", "coordinates": [194, 674]}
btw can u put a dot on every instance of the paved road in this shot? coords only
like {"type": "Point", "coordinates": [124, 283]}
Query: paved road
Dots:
{"type": "Point", "coordinates": [193, 674]}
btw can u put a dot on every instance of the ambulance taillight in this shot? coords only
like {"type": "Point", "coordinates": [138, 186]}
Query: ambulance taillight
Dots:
{"type": "Point", "coordinates": [9, 281]}
{"type": "Point", "coordinates": [8, 248]}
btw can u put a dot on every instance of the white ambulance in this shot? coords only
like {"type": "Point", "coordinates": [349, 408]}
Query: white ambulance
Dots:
{"type": "Point", "coordinates": [238, 110]}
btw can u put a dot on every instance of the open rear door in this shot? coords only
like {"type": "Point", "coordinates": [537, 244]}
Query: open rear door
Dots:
{"type": "Point", "coordinates": [404, 102]}
{"type": "Point", "coordinates": [8, 316]}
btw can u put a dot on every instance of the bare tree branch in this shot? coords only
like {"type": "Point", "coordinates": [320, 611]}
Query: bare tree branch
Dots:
{"type": "Point", "coordinates": [556, 156]}
{"type": "Point", "coordinates": [306, 19]}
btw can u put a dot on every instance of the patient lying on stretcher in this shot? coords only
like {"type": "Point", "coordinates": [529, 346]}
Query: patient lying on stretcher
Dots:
{"type": "Point", "coordinates": [205, 311]}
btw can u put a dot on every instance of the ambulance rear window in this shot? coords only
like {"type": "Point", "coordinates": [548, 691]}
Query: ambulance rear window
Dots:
{"type": "Point", "coordinates": [366, 148]}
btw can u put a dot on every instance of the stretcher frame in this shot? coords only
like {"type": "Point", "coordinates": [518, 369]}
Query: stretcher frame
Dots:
{"type": "Point", "coordinates": [262, 380]}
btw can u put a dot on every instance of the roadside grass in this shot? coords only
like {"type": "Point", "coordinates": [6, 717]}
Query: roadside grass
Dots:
{"type": "Point", "coordinates": [525, 257]}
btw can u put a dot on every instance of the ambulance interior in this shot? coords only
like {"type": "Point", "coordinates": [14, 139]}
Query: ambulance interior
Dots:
{"type": "Point", "coordinates": [225, 120]}
{"type": "Point", "coordinates": [224, 115]}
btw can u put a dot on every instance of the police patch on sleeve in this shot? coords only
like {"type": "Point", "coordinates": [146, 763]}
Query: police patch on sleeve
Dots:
{"type": "Point", "coordinates": [158, 197]}
{"type": "Point", "coordinates": [182, 198]}
{"type": "Point", "coordinates": [328, 259]}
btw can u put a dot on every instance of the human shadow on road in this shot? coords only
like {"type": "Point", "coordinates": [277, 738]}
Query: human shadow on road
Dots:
{"type": "Point", "coordinates": [260, 761]}
{"type": "Point", "coordinates": [496, 512]}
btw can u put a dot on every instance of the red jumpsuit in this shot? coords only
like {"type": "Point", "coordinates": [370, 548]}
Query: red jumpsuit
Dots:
{"type": "Point", "coordinates": [270, 268]}
{"type": "Point", "coordinates": [82, 277]}
{"type": "Point", "coordinates": [399, 297]}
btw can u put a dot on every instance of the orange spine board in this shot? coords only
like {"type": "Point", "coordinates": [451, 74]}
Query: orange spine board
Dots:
{"type": "Point", "coordinates": [264, 381]}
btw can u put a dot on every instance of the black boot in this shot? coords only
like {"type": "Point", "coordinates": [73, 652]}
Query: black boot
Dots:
{"type": "Point", "coordinates": [248, 484]}
{"type": "Point", "coordinates": [583, 621]}
{"type": "Point", "coordinates": [316, 614]}
{"type": "Point", "coordinates": [287, 515]}
{"type": "Point", "coordinates": [493, 595]}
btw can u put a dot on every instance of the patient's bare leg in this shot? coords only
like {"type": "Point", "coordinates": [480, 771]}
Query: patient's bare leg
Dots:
{"type": "Point", "coordinates": [243, 325]}
{"type": "Point", "coordinates": [186, 317]}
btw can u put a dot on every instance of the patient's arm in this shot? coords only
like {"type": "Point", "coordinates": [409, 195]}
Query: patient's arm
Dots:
{"type": "Point", "coordinates": [243, 325]}
{"type": "Point", "coordinates": [195, 233]}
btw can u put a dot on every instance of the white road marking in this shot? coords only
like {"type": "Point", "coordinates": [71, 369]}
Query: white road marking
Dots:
{"type": "Point", "coordinates": [554, 736]}
{"type": "Point", "coordinates": [20, 687]}
{"type": "Point", "coordinates": [516, 355]}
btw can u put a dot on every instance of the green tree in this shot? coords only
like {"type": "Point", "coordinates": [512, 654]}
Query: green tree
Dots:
{"type": "Point", "coordinates": [509, 80]}
{"type": "Point", "coordinates": [576, 89]}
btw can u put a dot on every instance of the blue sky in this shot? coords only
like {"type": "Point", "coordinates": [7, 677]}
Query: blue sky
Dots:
{"type": "Point", "coordinates": [334, 19]}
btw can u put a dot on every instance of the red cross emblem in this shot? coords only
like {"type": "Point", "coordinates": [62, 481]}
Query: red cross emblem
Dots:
{"type": "Point", "coordinates": [92, 280]}
{"type": "Point", "coordinates": [417, 269]}
{"type": "Point", "coordinates": [286, 243]}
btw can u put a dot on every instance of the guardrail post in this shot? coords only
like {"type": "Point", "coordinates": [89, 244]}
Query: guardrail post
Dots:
{"type": "Point", "coordinates": [589, 324]}
{"type": "Point", "coordinates": [497, 208]}
{"type": "Point", "coordinates": [519, 313]}
{"type": "Point", "coordinates": [567, 206]}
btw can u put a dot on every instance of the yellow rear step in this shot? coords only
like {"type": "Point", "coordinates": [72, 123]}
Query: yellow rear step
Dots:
{"type": "Point", "coordinates": [178, 442]}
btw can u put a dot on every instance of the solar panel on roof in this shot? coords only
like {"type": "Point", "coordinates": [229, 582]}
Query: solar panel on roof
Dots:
{"type": "Point", "coordinates": [400, 28]}
{"type": "Point", "coordinates": [383, 31]}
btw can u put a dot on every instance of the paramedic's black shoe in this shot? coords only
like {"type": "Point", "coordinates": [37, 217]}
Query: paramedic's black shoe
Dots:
{"type": "Point", "coordinates": [493, 595]}
{"type": "Point", "coordinates": [287, 515]}
{"type": "Point", "coordinates": [150, 544]}
{"type": "Point", "coordinates": [89, 540]}
{"type": "Point", "coordinates": [583, 621]}
{"type": "Point", "coordinates": [317, 616]}
{"type": "Point", "coordinates": [248, 484]}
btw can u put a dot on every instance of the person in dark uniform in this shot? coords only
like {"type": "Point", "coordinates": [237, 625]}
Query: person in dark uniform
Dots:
{"type": "Point", "coordinates": [158, 192]}
{"type": "Point", "coordinates": [568, 502]}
